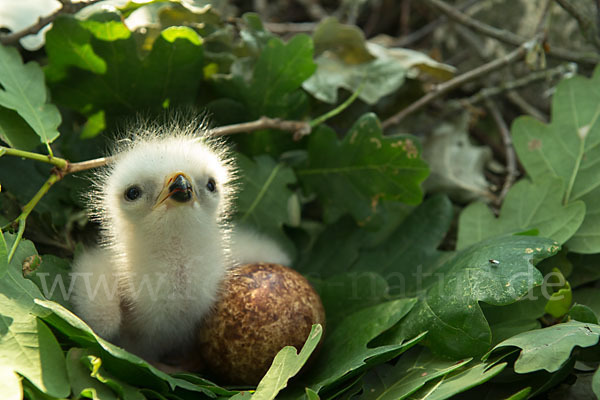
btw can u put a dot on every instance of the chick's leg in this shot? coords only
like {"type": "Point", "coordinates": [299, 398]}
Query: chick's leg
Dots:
{"type": "Point", "coordinates": [96, 297]}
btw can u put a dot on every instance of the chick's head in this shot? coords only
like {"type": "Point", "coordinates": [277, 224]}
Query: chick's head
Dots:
{"type": "Point", "coordinates": [161, 183]}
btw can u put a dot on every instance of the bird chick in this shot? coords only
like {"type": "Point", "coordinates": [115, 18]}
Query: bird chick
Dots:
{"type": "Point", "coordinates": [163, 208]}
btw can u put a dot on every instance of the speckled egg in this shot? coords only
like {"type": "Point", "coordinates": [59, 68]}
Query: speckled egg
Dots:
{"type": "Point", "coordinates": [263, 308]}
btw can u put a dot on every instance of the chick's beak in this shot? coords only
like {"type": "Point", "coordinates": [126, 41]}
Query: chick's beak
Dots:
{"type": "Point", "coordinates": [177, 187]}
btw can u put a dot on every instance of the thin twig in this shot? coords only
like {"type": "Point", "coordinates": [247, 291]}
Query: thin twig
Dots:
{"type": "Point", "coordinates": [542, 25]}
{"type": "Point", "coordinates": [85, 165]}
{"type": "Point", "coordinates": [460, 80]}
{"type": "Point", "coordinates": [314, 9]}
{"type": "Point", "coordinates": [430, 27]}
{"type": "Point", "coordinates": [330, 114]}
{"type": "Point", "coordinates": [514, 97]}
{"type": "Point", "coordinates": [56, 161]}
{"type": "Point", "coordinates": [27, 209]}
{"type": "Point", "coordinates": [585, 23]}
{"type": "Point", "coordinates": [536, 76]}
{"type": "Point", "coordinates": [511, 158]}
{"type": "Point", "coordinates": [405, 17]}
{"type": "Point", "coordinates": [298, 127]}
{"type": "Point", "coordinates": [66, 8]}
{"type": "Point", "coordinates": [506, 36]}
{"type": "Point", "coordinates": [281, 28]}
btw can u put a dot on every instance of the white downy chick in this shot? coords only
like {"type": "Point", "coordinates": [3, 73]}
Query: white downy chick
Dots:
{"type": "Point", "coordinates": [163, 208]}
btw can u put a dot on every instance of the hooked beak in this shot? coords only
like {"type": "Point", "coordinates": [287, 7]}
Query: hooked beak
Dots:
{"type": "Point", "coordinates": [177, 187]}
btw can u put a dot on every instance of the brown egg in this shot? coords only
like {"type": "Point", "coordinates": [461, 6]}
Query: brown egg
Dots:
{"type": "Point", "coordinates": [263, 308]}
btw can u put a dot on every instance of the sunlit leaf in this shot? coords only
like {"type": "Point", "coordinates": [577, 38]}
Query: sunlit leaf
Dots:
{"type": "Point", "coordinates": [22, 89]}
{"type": "Point", "coordinates": [550, 348]}
{"type": "Point", "coordinates": [286, 364]}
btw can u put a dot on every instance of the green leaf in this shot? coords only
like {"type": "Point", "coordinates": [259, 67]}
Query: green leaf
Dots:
{"type": "Point", "coordinates": [130, 367]}
{"type": "Point", "coordinates": [311, 394]}
{"type": "Point", "coordinates": [346, 41]}
{"type": "Point", "coordinates": [401, 246]}
{"type": "Point", "coordinates": [528, 205]}
{"type": "Point", "coordinates": [354, 175]}
{"type": "Point", "coordinates": [123, 390]}
{"type": "Point", "coordinates": [27, 346]}
{"type": "Point", "coordinates": [264, 200]}
{"type": "Point", "coordinates": [346, 350]}
{"type": "Point", "coordinates": [589, 296]}
{"type": "Point", "coordinates": [582, 313]}
{"type": "Point", "coordinates": [95, 124]}
{"type": "Point", "coordinates": [410, 253]}
{"type": "Point", "coordinates": [523, 315]}
{"type": "Point", "coordinates": [242, 396]}
{"type": "Point", "coordinates": [279, 71]}
{"type": "Point", "coordinates": [68, 44]}
{"type": "Point", "coordinates": [53, 278]}
{"type": "Point", "coordinates": [375, 79]}
{"type": "Point", "coordinates": [16, 132]}
{"type": "Point", "coordinates": [596, 383]}
{"type": "Point", "coordinates": [81, 381]}
{"type": "Point", "coordinates": [450, 309]}
{"type": "Point", "coordinates": [286, 364]}
{"type": "Point", "coordinates": [23, 90]}
{"type": "Point", "coordinates": [567, 148]}
{"type": "Point", "coordinates": [467, 377]}
{"type": "Point", "coordinates": [521, 394]}
{"type": "Point", "coordinates": [346, 60]}
{"type": "Point", "coordinates": [334, 251]}
{"type": "Point", "coordinates": [411, 372]}
{"type": "Point", "coordinates": [266, 80]}
{"type": "Point", "coordinates": [168, 73]}
{"type": "Point", "coordinates": [58, 202]}
{"type": "Point", "coordinates": [347, 293]}
{"type": "Point", "coordinates": [560, 301]}
{"type": "Point", "coordinates": [105, 28]}
{"type": "Point", "coordinates": [253, 33]}
{"type": "Point", "coordinates": [536, 353]}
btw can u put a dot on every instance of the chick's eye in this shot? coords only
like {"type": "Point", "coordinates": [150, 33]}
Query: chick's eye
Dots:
{"type": "Point", "coordinates": [211, 185]}
{"type": "Point", "coordinates": [133, 193]}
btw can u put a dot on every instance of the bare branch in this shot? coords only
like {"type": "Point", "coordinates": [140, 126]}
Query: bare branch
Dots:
{"type": "Point", "coordinates": [281, 28]}
{"type": "Point", "coordinates": [585, 23]}
{"type": "Point", "coordinates": [511, 158]}
{"type": "Point", "coordinates": [67, 8]}
{"type": "Point", "coordinates": [536, 76]}
{"type": "Point", "coordinates": [430, 27]}
{"type": "Point", "coordinates": [300, 128]}
{"type": "Point", "coordinates": [544, 20]}
{"type": "Point", "coordinates": [314, 9]}
{"type": "Point", "coordinates": [514, 97]}
{"type": "Point", "coordinates": [460, 80]}
{"type": "Point", "coordinates": [85, 165]}
{"type": "Point", "coordinates": [508, 37]}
